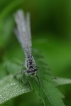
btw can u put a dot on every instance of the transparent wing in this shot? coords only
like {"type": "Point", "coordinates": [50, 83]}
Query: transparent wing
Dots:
{"type": "Point", "coordinates": [23, 30]}
{"type": "Point", "coordinates": [17, 34]}
{"type": "Point", "coordinates": [28, 28]}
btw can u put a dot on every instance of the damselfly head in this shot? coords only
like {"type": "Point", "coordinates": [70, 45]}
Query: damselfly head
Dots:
{"type": "Point", "coordinates": [32, 71]}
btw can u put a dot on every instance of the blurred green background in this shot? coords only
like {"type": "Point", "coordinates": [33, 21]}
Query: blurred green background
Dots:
{"type": "Point", "coordinates": [51, 35]}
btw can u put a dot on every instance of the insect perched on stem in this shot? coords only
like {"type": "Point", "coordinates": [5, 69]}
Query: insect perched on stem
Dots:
{"type": "Point", "coordinates": [23, 34]}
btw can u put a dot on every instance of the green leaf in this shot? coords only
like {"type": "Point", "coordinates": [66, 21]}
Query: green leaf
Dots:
{"type": "Point", "coordinates": [46, 90]}
{"type": "Point", "coordinates": [45, 87]}
{"type": "Point", "coordinates": [62, 81]}
{"type": "Point", "coordinates": [10, 87]}
{"type": "Point", "coordinates": [3, 72]}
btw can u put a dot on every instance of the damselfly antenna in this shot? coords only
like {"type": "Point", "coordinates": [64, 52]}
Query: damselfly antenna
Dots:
{"type": "Point", "coordinates": [23, 34]}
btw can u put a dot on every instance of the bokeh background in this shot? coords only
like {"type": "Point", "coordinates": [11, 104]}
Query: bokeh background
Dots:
{"type": "Point", "coordinates": [51, 35]}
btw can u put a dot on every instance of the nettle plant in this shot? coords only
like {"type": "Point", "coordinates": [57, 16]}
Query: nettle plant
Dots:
{"type": "Point", "coordinates": [36, 77]}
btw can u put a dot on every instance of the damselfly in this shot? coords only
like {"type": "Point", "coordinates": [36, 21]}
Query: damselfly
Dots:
{"type": "Point", "coordinates": [23, 34]}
